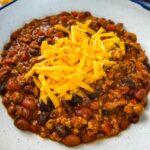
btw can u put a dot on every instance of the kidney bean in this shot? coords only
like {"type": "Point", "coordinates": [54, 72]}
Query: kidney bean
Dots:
{"type": "Point", "coordinates": [12, 52]}
{"type": "Point", "coordinates": [12, 86]}
{"type": "Point", "coordinates": [22, 124]}
{"type": "Point", "coordinates": [5, 101]}
{"type": "Point", "coordinates": [28, 89]}
{"type": "Point", "coordinates": [140, 94]}
{"type": "Point", "coordinates": [21, 111]}
{"type": "Point", "coordinates": [88, 136]}
{"type": "Point", "coordinates": [9, 61]}
{"type": "Point", "coordinates": [114, 105]}
{"type": "Point", "coordinates": [3, 71]}
{"type": "Point", "coordinates": [94, 105]}
{"type": "Point", "coordinates": [11, 109]}
{"type": "Point", "coordinates": [124, 123]}
{"type": "Point", "coordinates": [25, 113]}
{"type": "Point", "coordinates": [35, 127]}
{"type": "Point", "coordinates": [111, 27]}
{"type": "Point", "coordinates": [71, 140]}
{"type": "Point", "coordinates": [29, 104]}
{"type": "Point", "coordinates": [85, 112]}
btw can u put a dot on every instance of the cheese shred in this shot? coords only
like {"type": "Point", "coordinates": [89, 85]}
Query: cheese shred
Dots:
{"type": "Point", "coordinates": [75, 62]}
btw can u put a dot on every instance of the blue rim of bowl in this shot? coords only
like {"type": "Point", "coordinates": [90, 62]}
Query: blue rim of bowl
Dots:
{"type": "Point", "coordinates": [1, 8]}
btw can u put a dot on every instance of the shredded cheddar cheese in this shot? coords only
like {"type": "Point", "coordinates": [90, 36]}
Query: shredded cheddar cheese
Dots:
{"type": "Point", "coordinates": [75, 62]}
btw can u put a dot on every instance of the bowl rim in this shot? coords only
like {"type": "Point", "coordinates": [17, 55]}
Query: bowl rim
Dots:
{"type": "Point", "coordinates": [1, 8]}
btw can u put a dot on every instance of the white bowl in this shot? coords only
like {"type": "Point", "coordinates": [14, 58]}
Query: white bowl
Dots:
{"type": "Point", "coordinates": [135, 19]}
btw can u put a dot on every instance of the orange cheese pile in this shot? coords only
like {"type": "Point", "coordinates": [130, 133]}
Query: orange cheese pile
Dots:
{"type": "Point", "coordinates": [75, 62]}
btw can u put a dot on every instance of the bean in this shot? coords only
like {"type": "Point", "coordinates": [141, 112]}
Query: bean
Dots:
{"type": "Point", "coordinates": [21, 111]}
{"type": "Point", "coordinates": [94, 105]}
{"type": "Point", "coordinates": [93, 96]}
{"type": "Point", "coordinates": [134, 118]}
{"type": "Point", "coordinates": [148, 67]}
{"type": "Point", "coordinates": [111, 27]}
{"type": "Point", "coordinates": [60, 129]}
{"type": "Point", "coordinates": [76, 100]}
{"type": "Point", "coordinates": [43, 117]}
{"type": "Point", "coordinates": [71, 140]}
{"type": "Point", "coordinates": [3, 71]}
{"type": "Point", "coordinates": [11, 109]}
{"type": "Point", "coordinates": [11, 85]}
{"type": "Point", "coordinates": [34, 114]}
{"type": "Point", "coordinates": [88, 136]}
{"type": "Point", "coordinates": [100, 135]}
{"type": "Point", "coordinates": [68, 106]}
{"type": "Point", "coordinates": [28, 89]}
{"type": "Point", "coordinates": [41, 38]}
{"type": "Point", "coordinates": [144, 101]}
{"type": "Point", "coordinates": [25, 113]}
{"type": "Point", "coordinates": [46, 107]}
{"type": "Point", "coordinates": [35, 127]}
{"type": "Point", "coordinates": [12, 52]}
{"type": "Point", "coordinates": [22, 124]}
{"type": "Point", "coordinates": [59, 35]}
{"type": "Point", "coordinates": [5, 101]}
{"type": "Point", "coordinates": [130, 83]}
{"type": "Point", "coordinates": [33, 52]}
{"type": "Point", "coordinates": [9, 61]}
{"type": "Point", "coordinates": [85, 112]}
{"type": "Point", "coordinates": [124, 123]}
{"type": "Point", "coordinates": [24, 56]}
{"type": "Point", "coordinates": [106, 112]}
{"type": "Point", "coordinates": [2, 89]}
{"type": "Point", "coordinates": [7, 46]}
{"type": "Point", "coordinates": [114, 105]}
{"type": "Point", "coordinates": [29, 104]}
{"type": "Point", "coordinates": [140, 94]}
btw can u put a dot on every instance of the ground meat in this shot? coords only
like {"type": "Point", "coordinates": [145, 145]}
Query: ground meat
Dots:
{"type": "Point", "coordinates": [117, 101]}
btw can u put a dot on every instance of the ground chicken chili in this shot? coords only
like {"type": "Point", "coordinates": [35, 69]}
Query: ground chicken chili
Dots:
{"type": "Point", "coordinates": [106, 93]}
